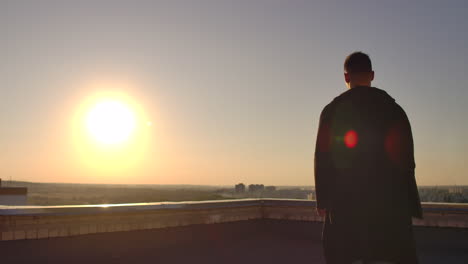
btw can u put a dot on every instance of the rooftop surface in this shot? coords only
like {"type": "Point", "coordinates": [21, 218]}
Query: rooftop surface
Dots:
{"type": "Point", "coordinates": [252, 241]}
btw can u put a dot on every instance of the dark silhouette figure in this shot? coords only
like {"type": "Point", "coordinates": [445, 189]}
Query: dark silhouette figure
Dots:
{"type": "Point", "coordinates": [364, 173]}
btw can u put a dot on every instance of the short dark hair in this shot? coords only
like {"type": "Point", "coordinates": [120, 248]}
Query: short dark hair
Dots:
{"type": "Point", "coordinates": [357, 62]}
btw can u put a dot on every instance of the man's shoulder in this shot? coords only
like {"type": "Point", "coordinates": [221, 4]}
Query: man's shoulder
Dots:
{"type": "Point", "coordinates": [332, 105]}
{"type": "Point", "coordinates": [364, 96]}
{"type": "Point", "coordinates": [327, 110]}
{"type": "Point", "coordinates": [360, 95]}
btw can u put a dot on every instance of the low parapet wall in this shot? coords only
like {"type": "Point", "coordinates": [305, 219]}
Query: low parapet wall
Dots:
{"type": "Point", "coordinates": [34, 222]}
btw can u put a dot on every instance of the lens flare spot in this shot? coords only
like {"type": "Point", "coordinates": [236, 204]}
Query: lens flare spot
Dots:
{"type": "Point", "coordinates": [351, 139]}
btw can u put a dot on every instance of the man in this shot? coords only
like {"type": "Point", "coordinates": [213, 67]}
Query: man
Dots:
{"type": "Point", "coordinates": [364, 173]}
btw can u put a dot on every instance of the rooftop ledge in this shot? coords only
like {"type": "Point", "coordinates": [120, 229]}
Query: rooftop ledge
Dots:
{"type": "Point", "coordinates": [35, 222]}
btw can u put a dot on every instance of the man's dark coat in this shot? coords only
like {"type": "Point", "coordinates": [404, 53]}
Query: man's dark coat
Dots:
{"type": "Point", "coordinates": [364, 178]}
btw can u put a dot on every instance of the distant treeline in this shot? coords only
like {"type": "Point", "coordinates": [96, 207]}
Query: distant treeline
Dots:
{"type": "Point", "coordinates": [74, 194]}
{"type": "Point", "coordinates": [119, 195]}
{"type": "Point", "coordinates": [444, 194]}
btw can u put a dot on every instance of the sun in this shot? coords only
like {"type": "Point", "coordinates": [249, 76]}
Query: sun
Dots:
{"type": "Point", "coordinates": [110, 122]}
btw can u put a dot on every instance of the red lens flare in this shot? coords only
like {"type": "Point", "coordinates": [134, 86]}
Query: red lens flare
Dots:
{"type": "Point", "coordinates": [351, 139]}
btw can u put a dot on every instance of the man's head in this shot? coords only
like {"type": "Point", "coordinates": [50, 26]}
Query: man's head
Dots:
{"type": "Point", "coordinates": [358, 70]}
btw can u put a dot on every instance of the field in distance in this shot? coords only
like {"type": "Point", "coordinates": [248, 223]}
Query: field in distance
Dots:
{"type": "Point", "coordinates": [76, 194]}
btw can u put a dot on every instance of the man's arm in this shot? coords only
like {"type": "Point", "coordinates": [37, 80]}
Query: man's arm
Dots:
{"type": "Point", "coordinates": [324, 168]}
{"type": "Point", "coordinates": [413, 194]}
{"type": "Point", "coordinates": [403, 155]}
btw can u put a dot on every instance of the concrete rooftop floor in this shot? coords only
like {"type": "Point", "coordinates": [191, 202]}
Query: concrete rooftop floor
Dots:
{"type": "Point", "coordinates": [254, 241]}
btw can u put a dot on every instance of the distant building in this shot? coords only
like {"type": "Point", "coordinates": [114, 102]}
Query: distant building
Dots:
{"type": "Point", "coordinates": [13, 195]}
{"type": "Point", "coordinates": [256, 188]}
{"type": "Point", "coordinates": [240, 188]}
{"type": "Point", "coordinates": [456, 189]}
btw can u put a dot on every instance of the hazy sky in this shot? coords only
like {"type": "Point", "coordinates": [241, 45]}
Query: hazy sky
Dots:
{"type": "Point", "coordinates": [233, 89]}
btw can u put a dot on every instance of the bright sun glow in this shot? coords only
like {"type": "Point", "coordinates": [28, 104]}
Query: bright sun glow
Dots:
{"type": "Point", "coordinates": [110, 122]}
{"type": "Point", "coordinates": [111, 131]}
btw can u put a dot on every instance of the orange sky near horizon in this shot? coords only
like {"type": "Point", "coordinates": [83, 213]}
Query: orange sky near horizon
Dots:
{"type": "Point", "coordinates": [233, 90]}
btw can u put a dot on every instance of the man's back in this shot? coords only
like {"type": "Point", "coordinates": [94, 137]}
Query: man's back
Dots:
{"type": "Point", "coordinates": [365, 175]}
{"type": "Point", "coordinates": [371, 150]}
